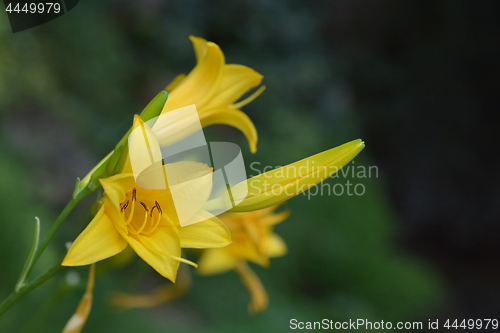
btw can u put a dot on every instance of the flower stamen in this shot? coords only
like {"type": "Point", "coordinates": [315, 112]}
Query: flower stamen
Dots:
{"type": "Point", "coordinates": [155, 225]}
{"type": "Point", "coordinates": [131, 215]}
{"type": "Point", "coordinates": [145, 207]}
{"type": "Point", "coordinates": [189, 262]}
{"type": "Point", "coordinates": [145, 220]}
{"type": "Point", "coordinates": [125, 205]}
{"type": "Point", "coordinates": [152, 209]}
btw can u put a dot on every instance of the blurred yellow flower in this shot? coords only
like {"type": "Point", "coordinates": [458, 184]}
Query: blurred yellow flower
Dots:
{"type": "Point", "coordinates": [215, 87]}
{"type": "Point", "coordinates": [253, 240]}
{"type": "Point", "coordinates": [146, 219]}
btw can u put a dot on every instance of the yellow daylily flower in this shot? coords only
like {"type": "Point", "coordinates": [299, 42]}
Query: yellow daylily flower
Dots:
{"type": "Point", "coordinates": [215, 87]}
{"type": "Point", "coordinates": [253, 240]}
{"type": "Point", "coordinates": [146, 219]}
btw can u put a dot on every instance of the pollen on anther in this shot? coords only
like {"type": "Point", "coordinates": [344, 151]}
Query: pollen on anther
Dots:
{"type": "Point", "coordinates": [144, 205]}
{"type": "Point", "coordinates": [157, 205]}
{"type": "Point", "coordinates": [125, 205]}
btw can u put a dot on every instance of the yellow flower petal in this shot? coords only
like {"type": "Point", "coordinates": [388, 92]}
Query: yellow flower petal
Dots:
{"type": "Point", "coordinates": [200, 47]}
{"type": "Point", "coordinates": [244, 248]}
{"type": "Point", "coordinates": [249, 99]}
{"type": "Point", "coordinates": [201, 83]}
{"type": "Point", "coordinates": [276, 246]}
{"type": "Point", "coordinates": [159, 250]}
{"type": "Point", "coordinates": [216, 261]}
{"type": "Point", "coordinates": [273, 219]}
{"type": "Point", "coordinates": [235, 118]}
{"type": "Point", "coordinates": [144, 148]}
{"type": "Point", "coordinates": [236, 81]}
{"type": "Point", "coordinates": [100, 240]}
{"type": "Point", "coordinates": [210, 233]}
{"type": "Point", "coordinates": [213, 87]}
{"type": "Point", "coordinates": [76, 322]}
{"type": "Point", "coordinates": [258, 295]}
{"type": "Point", "coordinates": [190, 184]}
{"type": "Point", "coordinates": [172, 127]}
{"type": "Point", "coordinates": [115, 187]}
{"type": "Point", "coordinates": [281, 184]}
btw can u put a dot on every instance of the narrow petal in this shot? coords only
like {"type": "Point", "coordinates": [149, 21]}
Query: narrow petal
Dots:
{"type": "Point", "coordinates": [283, 183]}
{"type": "Point", "coordinates": [200, 47]}
{"type": "Point", "coordinates": [249, 99]}
{"type": "Point", "coordinates": [216, 261]}
{"type": "Point", "coordinates": [210, 233]}
{"type": "Point", "coordinates": [236, 81]}
{"type": "Point", "coordinates": [234, 118]}
{"type": "Point", "coordinates": [100, 240]}
{"type": "Point", "coordinates": [76, 322]}
{"type": "Point", "coordinates": [258, 295]}
{"type": "Point", "coordinates": [201, 83]}
{"type": "Point", "coordinates": [276, 246]}
{"type": "Point", "coordinates": [159, 250]}
{"type": "Point", "coordinates": [273, 219]}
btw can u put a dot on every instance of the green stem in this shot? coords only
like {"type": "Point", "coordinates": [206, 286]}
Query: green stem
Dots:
{"type": "Point", "coordinates": [29, 261]}
{"type": "Point", "coordinates": [15, 296]}
{"type": "Point", "coordinates": [22, 288]}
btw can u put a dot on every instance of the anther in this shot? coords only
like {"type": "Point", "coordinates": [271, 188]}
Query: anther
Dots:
{"type": "Point", "coordinates": [158, 206]}
{"type": "Point", "coordinates": [134, 194]}
{"type": "Point", "coordinates": [144, 205]}
{"type": "Point", "coordinates": [125, 205]}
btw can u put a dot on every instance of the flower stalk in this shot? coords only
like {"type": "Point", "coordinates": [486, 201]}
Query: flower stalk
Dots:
{"type": "Point", "coordinates": [29, 262]}
{"type": "Point", "coordinates": [22, 288]}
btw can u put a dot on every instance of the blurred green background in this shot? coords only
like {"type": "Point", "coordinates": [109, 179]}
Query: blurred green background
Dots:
{"type": "Point", "coordinates": [415, 80]}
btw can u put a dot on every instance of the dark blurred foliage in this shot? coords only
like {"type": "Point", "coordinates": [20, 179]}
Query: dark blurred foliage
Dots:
{"type": "Point", "coordinates": [425, 79]}
{"type": "Point", "coordinates": [414, 79]}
